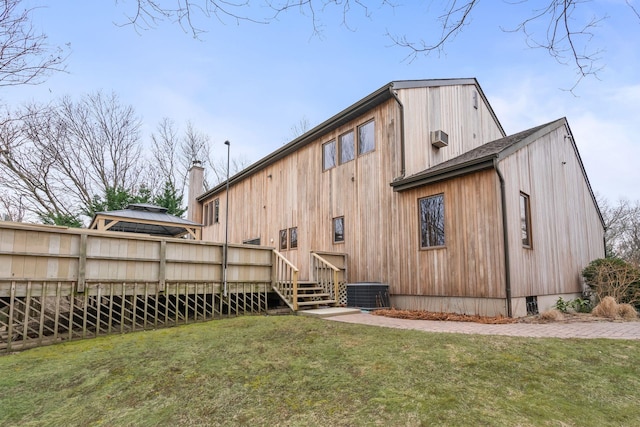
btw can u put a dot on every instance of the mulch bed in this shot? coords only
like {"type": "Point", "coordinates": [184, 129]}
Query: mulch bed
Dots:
{"type": "Point", "coordinates": [427, 315]}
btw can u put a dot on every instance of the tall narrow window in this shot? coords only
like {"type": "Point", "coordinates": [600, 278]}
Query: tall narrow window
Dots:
{"type": "Point", "coordinates": [293, 237]}
{"type": "Point", "coordinates": [283, 239]}
{"type": "Point", "coordinates": [525, 220]}
{"type": "Point", "coordinates": [216, 211]}
{"type": "Point", "coordinates": [329, 155]}
{"type": "Point", "coordinates": [347, 148]}
{"type": "Point", "coordinates": [431, 221]}
{"type": "Point", "coordinates": [366, 137]}
{"type": "Point", "coordinates": [338, 229]}
{"type": "Point", "coordinates": [205, 214]}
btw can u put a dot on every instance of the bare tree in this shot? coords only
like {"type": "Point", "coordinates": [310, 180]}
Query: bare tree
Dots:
{"type": "Point", "coordinates": [566, 35]}
{"type": "Point", "coordinates": [58, 158]}
{"type": "Point", "coordinates": [25, 56]}
{"type": "Point", "coordinates": [622, 236]}
{"type": "Point", "coordinates": [300, 128]}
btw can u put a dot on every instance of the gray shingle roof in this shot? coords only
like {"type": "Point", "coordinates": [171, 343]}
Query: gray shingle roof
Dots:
{"type": "Point", "coordinates": [477, 159]}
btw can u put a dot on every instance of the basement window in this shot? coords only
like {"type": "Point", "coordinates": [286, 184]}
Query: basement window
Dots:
{"type": "Point", "coordinates": [532, 305]}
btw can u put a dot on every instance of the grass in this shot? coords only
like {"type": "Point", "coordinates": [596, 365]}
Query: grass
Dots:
{"type": "Point", "coordinates": [303, 371]}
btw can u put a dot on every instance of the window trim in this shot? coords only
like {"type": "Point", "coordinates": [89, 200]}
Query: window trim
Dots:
{"type": "Point", "coordinates": [293, 231]}
{"type": "Point", "coordinates": [335, 153]}
{"type": "Point", "coordinates": [420, 236]}
{"type": "Point", "coordinates": [371, 121]}
{"type": "Point", "coordinates": [525, 221]}
{"type": "Point", "coordinates": [283, 237]}
{"type": "Point", "coordinates": [353, 143]}
{"type": "Point", "coordinates": [333, 225]}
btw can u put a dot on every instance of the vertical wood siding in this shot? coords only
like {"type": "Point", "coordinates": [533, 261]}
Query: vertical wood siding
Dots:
{"type": "Point", "coordinates": [296, 192]}
{"type": "Point", "coordinates": [566, 231]}
{"type": "Point", "coordinates": [446, 108]}
{"type": "Point", "coordinates": [471, 263]}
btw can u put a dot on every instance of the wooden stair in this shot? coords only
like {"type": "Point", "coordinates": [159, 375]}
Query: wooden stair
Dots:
{"type": "Point", "coordinates": [310, 295]}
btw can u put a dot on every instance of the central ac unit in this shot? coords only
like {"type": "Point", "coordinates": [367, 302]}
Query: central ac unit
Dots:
{"type": "Point", "coordinates": [439, 139]}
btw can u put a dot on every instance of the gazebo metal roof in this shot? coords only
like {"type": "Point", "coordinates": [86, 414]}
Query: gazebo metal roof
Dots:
{"type": "Point", "coordinates": [146, 219]}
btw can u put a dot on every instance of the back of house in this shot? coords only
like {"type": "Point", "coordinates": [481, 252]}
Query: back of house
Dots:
{"type": "Point", "coordinates": [419, 187]}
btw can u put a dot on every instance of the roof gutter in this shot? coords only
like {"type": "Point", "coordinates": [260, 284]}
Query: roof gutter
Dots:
{"type": "Point", "coordinates": [505, 237]}
{"type": "Point", "coordinates": [394, 94]}
{"type": "Point", "coordinates": [446, 173]}
{"type": "Point", "coordinates": [376, 98]}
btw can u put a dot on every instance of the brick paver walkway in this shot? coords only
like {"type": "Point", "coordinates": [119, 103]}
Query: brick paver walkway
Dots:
{"type": "Point", "coordinates": [614, 330]}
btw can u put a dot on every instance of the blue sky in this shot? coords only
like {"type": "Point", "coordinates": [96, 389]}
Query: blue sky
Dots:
{"type": "Point", "coordinates": [251, 83]}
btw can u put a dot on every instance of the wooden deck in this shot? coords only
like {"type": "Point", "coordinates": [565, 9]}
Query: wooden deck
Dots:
{"type": "Point", "coordinates": [59, 284]}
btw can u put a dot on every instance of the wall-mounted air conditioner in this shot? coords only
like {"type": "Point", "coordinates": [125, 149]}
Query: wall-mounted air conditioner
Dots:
{"type": "Point", "coordinates": [439, 139]}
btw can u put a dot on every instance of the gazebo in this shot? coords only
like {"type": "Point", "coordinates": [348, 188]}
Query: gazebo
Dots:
{"type": "Point", "coordinates": [146, 219]}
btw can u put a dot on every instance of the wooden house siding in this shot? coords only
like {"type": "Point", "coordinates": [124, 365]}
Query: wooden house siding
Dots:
{"type": "Point", "coordinates": [471, 263]}
{"type": "Point", "coordinates": [450, 109]}
{"type": "Point", "coordinates": [566, 230]}
{"type": "Point", "coordinates": [296, 192]}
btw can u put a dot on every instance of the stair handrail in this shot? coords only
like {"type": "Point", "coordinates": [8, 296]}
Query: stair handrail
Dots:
{"type": "Point", "coordinates": [336, 270]}
{"type": "Point", "coordinates": [285, 280]}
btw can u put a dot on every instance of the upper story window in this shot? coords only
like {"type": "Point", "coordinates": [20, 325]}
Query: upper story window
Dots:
{"type": "Point", "coordinates": [347, 148]}
{"type": "Point", "coordinates": [431, 221]}
{"type": "Point", "coordinates": [525, 220]}
{"type": "Point", "coordinates": [366, 137]}
{"type": "Point", "coordinates": [216, 211]}
{"type": "Point", "coordinates": [329, 155]}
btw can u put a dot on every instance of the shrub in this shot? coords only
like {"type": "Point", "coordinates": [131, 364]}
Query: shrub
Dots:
{"type": "Point", "coordinates": [561, 305]}
{"type": "Point", "coordinates": [627, 312]}
{"type": "Point", "coordinates": [608, 308]}
{"type": "Point", "coordinates": [613, 277]}
{"type": "Point", "coordinates": [581, 305]}
{"type": "Point", "coordinates": [553, 315]}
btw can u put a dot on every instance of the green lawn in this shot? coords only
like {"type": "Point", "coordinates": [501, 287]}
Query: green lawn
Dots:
{"type": "Point", "coordinates": [294, 370]}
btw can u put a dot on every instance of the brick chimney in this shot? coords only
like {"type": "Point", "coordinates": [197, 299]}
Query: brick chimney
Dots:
{"type": "Point", "coordinates": [196, 188]}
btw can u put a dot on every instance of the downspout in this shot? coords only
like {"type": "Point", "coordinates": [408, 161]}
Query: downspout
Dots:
{"type": "Point", "coordinates": [402, 155]}
{"type": "Point", "coordinates": [505, 236]}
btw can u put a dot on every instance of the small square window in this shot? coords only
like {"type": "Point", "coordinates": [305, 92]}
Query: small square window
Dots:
{"type": "Point", "coordinates": [283, 240]}
{"type": "Point", "coordinates": [366, 137]}
{"type": "Point", "coordinates": [347, 149]}
{"type": "Point", "coordinates": [338, 229]}
{"type": "Point", "coordinates": [293, 238]}
{"type": "Point", "coordinates": [329, 155]}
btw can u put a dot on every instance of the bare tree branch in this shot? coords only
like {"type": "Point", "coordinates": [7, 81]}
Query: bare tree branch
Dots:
{"type": "Point", "coordinates": [25, 56]}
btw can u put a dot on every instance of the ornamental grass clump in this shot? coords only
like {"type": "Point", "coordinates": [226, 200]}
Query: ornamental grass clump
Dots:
{"type": "Point", "coordinates": [553, 315]}
{"type": "Point", "coordinates": [608, 308]}
{"type": "Point", "coordinates": [627, 312]}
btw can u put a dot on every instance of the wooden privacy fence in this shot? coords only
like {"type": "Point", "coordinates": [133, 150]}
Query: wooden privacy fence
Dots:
{"type": "Point", "coordinates": [60, 284]}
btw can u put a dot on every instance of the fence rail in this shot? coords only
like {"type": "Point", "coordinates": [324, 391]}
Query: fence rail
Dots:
{"type": "Point", "coordinates": [60, 284]}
